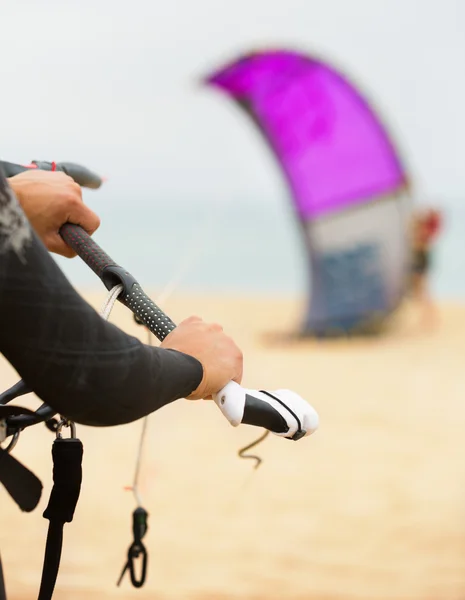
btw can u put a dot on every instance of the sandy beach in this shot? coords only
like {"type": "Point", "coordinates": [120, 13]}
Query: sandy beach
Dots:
{"type": "Point", "coordinates": [372, 507]}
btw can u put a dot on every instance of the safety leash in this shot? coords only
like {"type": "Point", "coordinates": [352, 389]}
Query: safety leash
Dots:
{"type": "Point", "coordinates": [139, 516]}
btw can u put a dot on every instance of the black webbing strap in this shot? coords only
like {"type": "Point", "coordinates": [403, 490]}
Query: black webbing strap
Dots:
{"type": "Point", "coordinates": [22, 485]}
{"type": "Point", "coordinates": [67, 478]}
{"type": "Point", "coordinates": [2, 582]}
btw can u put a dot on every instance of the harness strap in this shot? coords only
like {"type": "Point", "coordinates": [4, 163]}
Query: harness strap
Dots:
{"type": "Point", "coordinates": [2, 582]}
{"type": "Point", "coordinates": [21, 483]}
{"type": "Point", "coordinates": [67, 478]}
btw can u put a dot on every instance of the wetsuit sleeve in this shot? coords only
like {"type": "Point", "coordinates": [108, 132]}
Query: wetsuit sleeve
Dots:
{"type": "Point", "coordinates": [82, 366]}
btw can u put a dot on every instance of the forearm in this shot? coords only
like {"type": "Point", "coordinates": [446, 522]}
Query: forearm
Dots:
{"type": "Point", "coordinates": [85, 368]}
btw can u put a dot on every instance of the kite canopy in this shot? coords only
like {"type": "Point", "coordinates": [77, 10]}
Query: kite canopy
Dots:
{"type": "Point", "coordinates": [347, 182]}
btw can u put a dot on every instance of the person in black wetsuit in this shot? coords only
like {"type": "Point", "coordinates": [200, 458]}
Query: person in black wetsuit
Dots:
{"type": "Point", "coordinates": [82, 366]}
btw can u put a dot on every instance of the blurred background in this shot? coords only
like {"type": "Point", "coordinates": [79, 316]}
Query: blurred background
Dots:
{"type": "Point", "coordinates": [374, 505]}
{"type": "Point", "coordinates": [118, 88]}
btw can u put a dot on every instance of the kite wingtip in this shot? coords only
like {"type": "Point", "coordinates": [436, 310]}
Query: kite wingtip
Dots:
{"type": "Point", "coordinates": [205, 80]}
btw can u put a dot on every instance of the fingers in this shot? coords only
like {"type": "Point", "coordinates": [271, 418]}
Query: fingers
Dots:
{"type": "Point", "coordinates": [80, 214]}
{"type": "Point", "coordinates": [192, 319]}
{"type": "Point", "coordinates": [240, 372]}
{"type": "Point", "coordinates": [196, 319]}
{"type": "Point", "coordinates": [55, 243]}
{"type": "Point", "coordinates": [49, 200]}
{"type": "Point", "coordinates": [220, 357]}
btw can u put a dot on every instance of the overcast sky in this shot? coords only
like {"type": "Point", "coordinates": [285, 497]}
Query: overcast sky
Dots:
{"type": "Point", "coordinates": [115, 85]}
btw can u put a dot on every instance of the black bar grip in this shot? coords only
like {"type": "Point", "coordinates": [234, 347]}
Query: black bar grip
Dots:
{"type": "Point", "coordinates": [81, 175]}
{"type": "Point", "coordinates": [86, 248]}
{"type": "Point", "coordinates": [132, 296]}
{"type": "Point", "coordinates": [11, 169]}
{"type": "Point", "coordinates": [147, 312]}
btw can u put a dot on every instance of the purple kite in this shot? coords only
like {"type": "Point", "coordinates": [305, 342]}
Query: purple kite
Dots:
{"type": "Point", "coordinates": [347, 182]}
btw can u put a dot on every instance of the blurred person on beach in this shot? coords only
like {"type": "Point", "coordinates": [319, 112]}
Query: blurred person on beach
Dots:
{"type": "Point", "coordinates": [84, 367]}
{"type": "Point", "coordinates": [426, 226]}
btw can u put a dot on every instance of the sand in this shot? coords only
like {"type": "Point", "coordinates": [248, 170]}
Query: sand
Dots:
{"type": "Point", "coordinates": [370, 507]}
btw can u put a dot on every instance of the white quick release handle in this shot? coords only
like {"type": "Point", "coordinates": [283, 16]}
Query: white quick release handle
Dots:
{"type": "Point", "coordinates": [282, 412]}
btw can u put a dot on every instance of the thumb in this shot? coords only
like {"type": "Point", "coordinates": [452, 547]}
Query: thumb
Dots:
{"type": "Point", "coordinates": [192, 319]}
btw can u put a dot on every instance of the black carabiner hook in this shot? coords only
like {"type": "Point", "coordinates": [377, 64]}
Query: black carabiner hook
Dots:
{"type": "Point", "coordinates": [137, 549]}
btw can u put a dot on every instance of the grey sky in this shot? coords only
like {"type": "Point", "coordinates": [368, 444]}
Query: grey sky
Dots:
{"type": "Point", "coordinates": [113, 84]}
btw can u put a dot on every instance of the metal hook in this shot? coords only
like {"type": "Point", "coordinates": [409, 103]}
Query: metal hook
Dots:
{"type": "Point", "coordinates": [13, 442]}
{"type": "Point", "coordinates": [65, 423]}
{"type": "Point", "coordinates": [258, 460]}
{"type": "Point", "coordinates": [137, 549]}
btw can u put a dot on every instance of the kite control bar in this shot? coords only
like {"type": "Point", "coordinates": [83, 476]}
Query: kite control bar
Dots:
{"type": "Point", "coordinates": [82, 175]}
{"type": "Point", "coordinates": [282, 412]}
